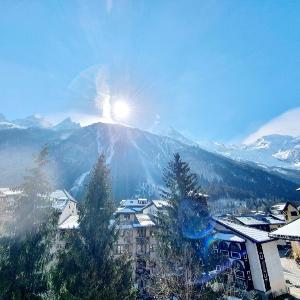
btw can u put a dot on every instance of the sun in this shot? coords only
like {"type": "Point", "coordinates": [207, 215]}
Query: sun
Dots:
{"type": "Point", "coordinates": [121, 110]}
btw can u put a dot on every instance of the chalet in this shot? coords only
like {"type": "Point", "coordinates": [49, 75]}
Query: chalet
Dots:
{"type": "Point", "coordinates": [64, 203]}
{"type": "Point", "coordinates": [154, 206]}
{"type": "Point", "coordinates": [288, 210]}
{"type": "Point", "coordinates": [290, 232]}
{"type": "Point", "coordinates": [253, 254]}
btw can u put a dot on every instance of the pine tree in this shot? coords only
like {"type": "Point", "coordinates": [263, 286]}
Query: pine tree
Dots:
{"type": "Point", "coordinates": [25, 250]}
{"type": "Point", "coordinates": [86, 267]}
{"type": "Point", "coordinates": [181, 253]}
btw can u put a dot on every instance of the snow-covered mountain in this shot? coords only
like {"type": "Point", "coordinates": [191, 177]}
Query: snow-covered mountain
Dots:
{"type": "Point", "coordinates": [36, 121]}
{"type": "Point", "coordinates": [274, 151]}
{"type": "Point", "coordinates": [136, 159]}
{"type": "Point", "coordinates": [66, 124]}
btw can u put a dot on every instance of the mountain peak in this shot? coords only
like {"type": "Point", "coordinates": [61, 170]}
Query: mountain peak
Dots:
{"type": "Point", "coordinates": [66, 124]}
{"type": "Point", "coordinates": [33, 121]}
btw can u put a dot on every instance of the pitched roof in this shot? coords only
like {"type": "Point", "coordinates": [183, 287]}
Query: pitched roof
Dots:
{"type": "Point", "coordinates": [259, 220]}
{"type": "Point", "coordinates": [143, 220]}
{"type": "Point", "coordinates": [289, 231]}
{"type": "Point", "coordinates": [253, 234]}
{"type": "Point", "coordinates": [251, 220]}
{"type": "Point", "coordinates": [9, 192]}
{"type": "Point", "coordinates": [60, 198]}
{"type": "Point", "coordinates": [228, 237]}
{"type": "Point", "coordinates": [61, 195]}
{"type": "Point", "coordinates": [282, 206]}
{"type": "Point", "coordinates": [279, 217]}
{"type": "Point", "coordinates": [160, 203]}
{"type": "Point", "coordinates": [128, 210]}
{"type": "Point", "coordinates": [70, 223]}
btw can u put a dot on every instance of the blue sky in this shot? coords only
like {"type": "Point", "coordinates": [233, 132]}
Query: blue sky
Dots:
{"type": "Point", "coordinates": [215, 70]}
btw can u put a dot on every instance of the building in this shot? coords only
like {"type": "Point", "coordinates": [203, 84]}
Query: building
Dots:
{"type": "Point", "coordinates": [254, 255]}
{"type": "Point", "coordinates": [290, 232]}
{"type": "Point", "coordinates": [135, 221]}
{"type": "Point", "coordinates": [288, 210]}
{"type": "Point", "coordinates": [64, 203]}
{"type": "Point", "coordinates": [7, 197]}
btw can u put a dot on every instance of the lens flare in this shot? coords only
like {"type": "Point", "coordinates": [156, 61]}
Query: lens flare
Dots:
{"type": "Point", "coordinates": [121, 110]}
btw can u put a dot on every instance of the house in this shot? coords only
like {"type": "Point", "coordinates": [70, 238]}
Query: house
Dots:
{"type": "Point", "coordinates": [288, 210]}
{"type": "Point", "coordinates": [290, 232]}
{"type": "Point", "coordinates": [154, 206]}
{"type": "Point", "coordinates": [64, 203]}
{"type": "Point", "coordinates": [254, 255]}
{"type": "Point", "coordinates": [7, 197]}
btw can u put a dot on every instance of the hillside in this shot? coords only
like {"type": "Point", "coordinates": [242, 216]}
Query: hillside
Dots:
{"type": "Point", "coordinates": [136, 159]}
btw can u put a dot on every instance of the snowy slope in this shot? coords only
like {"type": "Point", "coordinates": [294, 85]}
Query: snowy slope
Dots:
{"type": "Point", "coordinates": [136, 159]}
{"type": "Point", "coordinates": [273, 151]}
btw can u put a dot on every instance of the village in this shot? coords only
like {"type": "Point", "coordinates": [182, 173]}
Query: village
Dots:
{"type": "Point", "coordinates": [262, 248]}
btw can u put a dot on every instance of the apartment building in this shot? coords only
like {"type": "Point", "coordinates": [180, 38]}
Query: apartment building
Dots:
{"type": "Point", "coordinates": [254, 256]}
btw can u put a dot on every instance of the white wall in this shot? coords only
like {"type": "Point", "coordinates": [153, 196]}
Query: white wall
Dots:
{"type": "Point", "coordinates": [274, 268]}
{"type": "Point", "coordinates": [257, 277]}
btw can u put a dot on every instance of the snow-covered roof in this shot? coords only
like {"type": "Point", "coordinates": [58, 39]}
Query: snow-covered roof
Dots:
{"type": "Point", "coordinates": [128, 210]}
{"type": "Point", "coordinates": [143, 220]}
{"type": "Point", "coordinates": [279, 217]}
{"type": "Point", "coordinates": [228, 237]}
{"type": "Point", "coordinates": [253, 234]}
{"type": "Point", "coordinates": [160, 203]}
{"type": "Point", "coordinates": [60, 199]}
{"type": "Point", "coordinates": [70, 223]}
{"type": "Point", "coordinates": [290, 231]}
{"type": "Point", "coordinates": [250, 221]}
{"type": "Point", "coordinates": [4, 192]}
{"type": "Point", "coordinates": [282, 206]}
{"type": "Point", "coordinates": [61, 195]}
{"type": "Point", "coordinates": [134, 202]}
{"type": "Point", "coordinates": [259, 220]}
{"type": "Point", "coordinates": [274, 221]}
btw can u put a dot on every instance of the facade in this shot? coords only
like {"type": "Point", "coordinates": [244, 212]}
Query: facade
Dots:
{"type": "Point", "coordinates": [65, 204]}
{"type": "Point", "coordinates": [7, 197]}
{"type": "Point", "coordinates": [290, 232]}
{"type": "Point", "coordinates": [136, 239]}
{"type": "Point", "coordinates": [254, 256]}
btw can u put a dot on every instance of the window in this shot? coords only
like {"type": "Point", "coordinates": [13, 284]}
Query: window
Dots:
{"type": "Point", "coordinates": [120, 249]}
{"type": "Point", "coordinates": [127, 217]}
{"type": "Point", "coordinates": [235, 255]}
{"type": "Point", "coordinates": [239, 274]}
{"type": "Point", "coordinates": [142, 232]}
{"type": "Point", "coordinates": [294, 213]}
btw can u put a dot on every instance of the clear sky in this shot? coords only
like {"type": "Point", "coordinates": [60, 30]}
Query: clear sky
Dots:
{"type": "Point", "coordinates": [215, 70]}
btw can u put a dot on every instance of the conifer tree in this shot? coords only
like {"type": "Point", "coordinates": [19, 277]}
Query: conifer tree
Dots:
{"type": "Point", "coordinates": [182, 226]}
{"type": "Point", "coordinates": [25, 248]}
{"type": "Point", "coordinates": [87, 267]}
